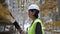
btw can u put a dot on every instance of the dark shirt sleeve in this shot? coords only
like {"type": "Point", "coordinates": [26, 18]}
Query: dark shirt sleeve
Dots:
{"type": "Point", "coordinates": [38, 28]}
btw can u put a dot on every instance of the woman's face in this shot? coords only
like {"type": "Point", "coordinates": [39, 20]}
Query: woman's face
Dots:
{"type": "Point", "coordinates": [30, 13]}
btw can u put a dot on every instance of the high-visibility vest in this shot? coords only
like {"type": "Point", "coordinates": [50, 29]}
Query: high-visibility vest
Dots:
{"type": "Point", "coordinates": [31, 29]}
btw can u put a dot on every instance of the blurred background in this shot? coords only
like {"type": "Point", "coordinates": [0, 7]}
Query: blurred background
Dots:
{"type": "Point", "coordinates": [49, 14]}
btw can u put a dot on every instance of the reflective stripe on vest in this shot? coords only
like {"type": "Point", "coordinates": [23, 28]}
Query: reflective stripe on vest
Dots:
{"type": "Point", "coordinates": [32, 28]}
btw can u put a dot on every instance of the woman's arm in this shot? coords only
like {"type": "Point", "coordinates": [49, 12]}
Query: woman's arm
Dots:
{"type": "Point", "coordinates": [38, 28]}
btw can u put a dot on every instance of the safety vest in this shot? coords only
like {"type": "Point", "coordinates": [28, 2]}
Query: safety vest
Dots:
{"type": "Point", "coordinates": [31, 29]}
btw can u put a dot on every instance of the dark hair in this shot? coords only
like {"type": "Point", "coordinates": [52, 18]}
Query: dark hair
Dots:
{"type": "Point", "coordinates": [36, 12]}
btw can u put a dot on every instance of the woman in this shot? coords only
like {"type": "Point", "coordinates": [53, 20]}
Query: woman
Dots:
{"type": "Point", "coordinates": [36, 26]}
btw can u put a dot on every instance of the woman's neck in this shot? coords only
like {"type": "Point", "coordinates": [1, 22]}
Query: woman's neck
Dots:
{"type": "Point", "coordinates": [34, 18]}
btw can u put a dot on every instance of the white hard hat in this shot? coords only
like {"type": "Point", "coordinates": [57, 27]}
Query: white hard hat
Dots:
{"type": "Point", "coordinates": [33, 6]}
